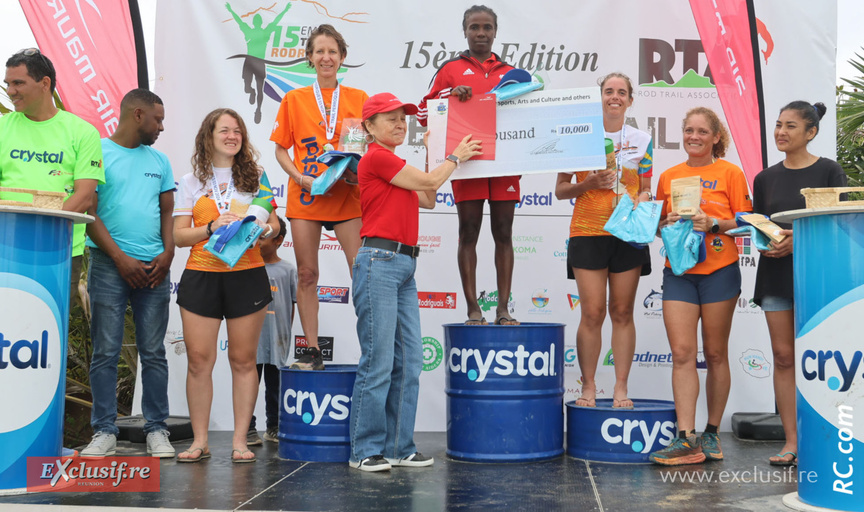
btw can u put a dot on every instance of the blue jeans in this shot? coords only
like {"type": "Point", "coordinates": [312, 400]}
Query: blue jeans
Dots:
{"type": "Point", "coordinates": [109, 293]}
{"type": "Point", "coordinates": [384, 402]}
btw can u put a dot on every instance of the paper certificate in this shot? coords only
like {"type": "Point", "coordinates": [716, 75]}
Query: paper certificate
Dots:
{"type": "Point", "coordinates": [539, 132]}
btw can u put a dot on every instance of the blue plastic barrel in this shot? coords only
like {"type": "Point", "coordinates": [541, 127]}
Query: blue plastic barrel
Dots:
{"type": "Point", "coordinates": [604, 434]}
{"type": "Point", "coordinates": [35, 265]}
{"type": "Point", "coordinates": [829, 355]}
{"type": "Point", "coordinates": [505, 392]}
{"type": "Point", "coordinates": [314, 414]}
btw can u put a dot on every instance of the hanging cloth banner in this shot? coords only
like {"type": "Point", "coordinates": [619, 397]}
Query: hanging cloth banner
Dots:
{"type": "Point", "coordinates": [92, 47]}
{"type": "Point", "coordinates": [728, 33]}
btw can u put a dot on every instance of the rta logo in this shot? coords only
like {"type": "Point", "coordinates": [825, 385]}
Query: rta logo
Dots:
{"type": "Point", "coordinates": [658, 63]}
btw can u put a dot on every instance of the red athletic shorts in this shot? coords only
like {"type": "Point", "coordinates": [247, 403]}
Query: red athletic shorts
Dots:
{"type": "Point", "coordinates": [502, 188]}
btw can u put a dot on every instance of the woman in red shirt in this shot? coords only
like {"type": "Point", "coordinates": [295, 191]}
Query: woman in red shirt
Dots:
{"type": "Point", "coordinates": [384, 402]}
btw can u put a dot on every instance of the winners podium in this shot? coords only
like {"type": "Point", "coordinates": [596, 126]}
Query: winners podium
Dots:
{"type": "Point", "coordinates": [35, 267]}
{"type": "Point", "coordinates": [829, 374]}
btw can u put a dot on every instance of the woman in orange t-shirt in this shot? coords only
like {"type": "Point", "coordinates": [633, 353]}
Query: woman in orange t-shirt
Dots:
{"type": "Point", "coordinates": [706, 293]}
{"type": "Point", "coordinates": [310, 120]}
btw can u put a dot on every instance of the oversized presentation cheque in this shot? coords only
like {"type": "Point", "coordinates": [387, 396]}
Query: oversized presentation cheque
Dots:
{"type": "Point", "coordinates": [539, 132]}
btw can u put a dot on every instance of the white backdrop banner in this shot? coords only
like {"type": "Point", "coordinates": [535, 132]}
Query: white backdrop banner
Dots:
{"type": "Point", "coordinates": [396, 47]}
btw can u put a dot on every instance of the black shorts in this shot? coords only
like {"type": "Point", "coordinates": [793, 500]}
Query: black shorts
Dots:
{"type": "Point", "coordinates": [599, 252]}
{"type": "Point", "coordinates": [224, 294]}
{"type": "Point", "coordinates": [329, 225]}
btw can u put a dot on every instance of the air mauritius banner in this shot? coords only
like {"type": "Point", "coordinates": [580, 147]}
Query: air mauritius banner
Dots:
{"type": "Point", "coordinates": [248, 54]}
{"type": "Point", "coordinates": [92, 47]}
{"type": "Point", "coordinates": [728, 39]}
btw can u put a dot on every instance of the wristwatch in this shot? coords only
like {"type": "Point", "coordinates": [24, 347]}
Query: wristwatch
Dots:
{"type": "Point", "coordinates": [715, 226]}
{"type": "Point", "coordinates": [453, 158]}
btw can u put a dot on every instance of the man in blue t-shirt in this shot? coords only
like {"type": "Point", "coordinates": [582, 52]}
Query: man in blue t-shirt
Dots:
{"type": "Point", "coordinates": [131, 247]}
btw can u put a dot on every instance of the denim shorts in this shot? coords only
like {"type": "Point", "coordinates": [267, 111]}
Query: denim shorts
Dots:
{"type": "Point", "coordinates": [721, 285]}
{"type": "Point", "coordinates": [771, 303]}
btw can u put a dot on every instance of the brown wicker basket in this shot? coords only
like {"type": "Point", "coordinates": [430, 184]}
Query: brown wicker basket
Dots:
{"type": "Point", "coordinates": [828, 197]}
{"type": "Point", "coordinates": [41, 198]}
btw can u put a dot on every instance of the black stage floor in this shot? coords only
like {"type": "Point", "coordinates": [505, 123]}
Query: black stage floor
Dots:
{"type": "Point", "coordinates": [560, 484]}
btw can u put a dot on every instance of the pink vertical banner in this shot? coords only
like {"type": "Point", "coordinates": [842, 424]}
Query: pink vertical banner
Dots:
{"type": "Point", "coordinates": [92, 47]}
{"type": "Point", "coordinates": [727, 38]}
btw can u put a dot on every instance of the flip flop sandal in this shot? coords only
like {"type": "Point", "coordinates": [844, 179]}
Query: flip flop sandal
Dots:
{"type": "Point", "coordinates": [785, 463]}
{"type": "Point", "coordinates": [202, 455]}
{"type": "Point", "coordinates": [589, 402]}
{"type": "Point", "coordinates": [503, 320]}
{"type": "Point", "coordinates": [476, 321]}
{"type": "Point", "coordinates": [241, 460]}
{"type": "Point", "coordinates": [615, 403]}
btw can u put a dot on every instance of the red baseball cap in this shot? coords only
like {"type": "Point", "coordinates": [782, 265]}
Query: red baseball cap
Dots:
{"type": "Point", "coordinates": [385, 102]}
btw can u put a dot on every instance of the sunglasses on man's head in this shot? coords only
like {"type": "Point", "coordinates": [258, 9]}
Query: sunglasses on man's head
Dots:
{"type": "Point", "coordinates": [29, 52]}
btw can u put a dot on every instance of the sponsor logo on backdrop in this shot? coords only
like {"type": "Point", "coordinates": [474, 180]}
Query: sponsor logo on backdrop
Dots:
{"type": "Point", "coordinates": [30, 352]}
{"type": "Point", "coordinates": [653, 304]}
{"type": "Point", "coordinates": [570, 357]}
{"type": "Point", "coordinates": [701, 364]}
{"type": "Point", "coordinates": [504, 363]}
{"type": "Point", "coordinates": [445, 198]}
{"type": "Point", "coordinates": [755, 364]}
{"type": "Point", "coordinates": [673, 65]}
{"type": "Point", "coordinates": [842, 366]}
{"type": "Point", "coordinates": [175, 339]}
{"type": "Point", "coordinates": [540, 301]}
{"type": "Point", "coordinates": [747, 306]}
{"type": "Point", "coordinates": [535, 199]}
{"type": "Point", "coordinates": [325, 345]}
{"type": "Point", "coordinates": [638, 434]}
{"type": "Point", "coordinates": [573, 300]}
{"type": "Point", "coordinates": [428, 243]}
{"type": "Point", "coordinates": [437, 300]}
{"type": "Point", "coordinates": [312, 406]}
{"type": "Point", "coordinates": [561, 254]}
{"type": "Point", "coordinates": [433, 353]}
{"type": "Point", "coordinates": [524, 246]}
{"type": "Point", "coordinates": [328, 243]}
{"type": "Point", "coordinates": [643, 359]}
{"type": "Point", "coordinates": [747, 254]}
{"type": "Point", "coordinates": [333, 294]}
{"type": "Point", "coordinates": [274, 61]}
{"type": "Point", "coordinates": [578, 390]}
{"type": "Point", "coordinates": [487, 301]}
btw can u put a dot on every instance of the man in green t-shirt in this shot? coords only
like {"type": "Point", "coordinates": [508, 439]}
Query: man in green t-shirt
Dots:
{"type": "Point", "coordinates": [45, 148]}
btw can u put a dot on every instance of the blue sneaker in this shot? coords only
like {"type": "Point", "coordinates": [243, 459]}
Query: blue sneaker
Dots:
{"type": "Point", "coordinates": [680, 451]}
{"type": "Point", "coordinates": [711, 446]}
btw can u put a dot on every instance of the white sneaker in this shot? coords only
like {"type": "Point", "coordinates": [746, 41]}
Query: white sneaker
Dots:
{"type": "Point", "coordinates": [103, 444]}
{"type": "Point", "coordinates": [415, 460]}
{"type": "Point", "coordinates": [158, 445]}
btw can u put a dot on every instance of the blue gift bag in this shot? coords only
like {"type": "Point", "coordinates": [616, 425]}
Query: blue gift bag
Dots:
{"type": "Point", "coordinates": [684, 247]}
{"type": "Point", "coordinates": [639, 226]}
{"type": "Point", "coordinates": [336, 162]}
{"type": "Point", "coordinates": [231, 241]}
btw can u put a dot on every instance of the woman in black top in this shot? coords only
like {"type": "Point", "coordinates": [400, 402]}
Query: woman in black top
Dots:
{"type": "Point", "coordinates": [777, 189]}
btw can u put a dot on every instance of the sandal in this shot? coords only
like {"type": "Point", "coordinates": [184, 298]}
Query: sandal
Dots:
{"type": "Point", "coordinates": [201, 455]}
{"type": "Point", "coordinates": [783, 461]}
{"type": "Point", "coordinates": [506, 320]}
{"type": "Point", "coordinates": [624, 403]}
{"type": "Point", "coordinates": [476, 321]}
{"type": "Point", "coordinates": [586, 402]}
{"type": "Point", "coordinates": [241, 459]}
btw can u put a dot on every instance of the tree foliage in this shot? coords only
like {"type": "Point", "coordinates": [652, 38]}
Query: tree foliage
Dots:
{"type": "Point", "coordinates": [850, 124]}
